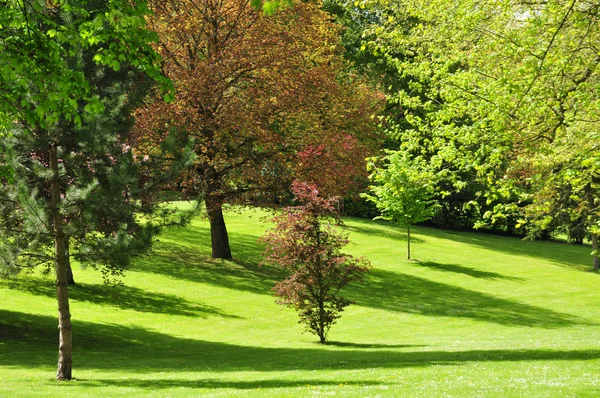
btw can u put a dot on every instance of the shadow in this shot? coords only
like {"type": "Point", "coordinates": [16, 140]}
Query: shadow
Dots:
{"type": "Point", "coordinates": [459, 269]}
{"type": "Point", "coordinates": [560, 253]}
{"type": "Point", "coordinates": [397, 292]}
{"type": "Point", "coordinates": [382, 229]}
{"type": "Point", "coordinates": [121, 296]}
{"type": "Point", "coordinates": [185, 255]}
{"type": "Point", "coordinates": [155, 384]}
{"type": "Point", "coordinates": [28, 340]}
{"type": "Point", "coordinates": [367, 345]}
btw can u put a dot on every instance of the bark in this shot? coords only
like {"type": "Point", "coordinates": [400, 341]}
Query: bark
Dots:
{"type": "Point", "coordinates": [218, 231]}
{"type": "Point", "coordinates": [70, 279]}
{"type": "Point", "coordinates": [321, 331]}
{"type": "Point", "coordinates": [65, 346]}
{"type": "Point", "coordinates": [595, 249]}
{"type": "Point", "coordinates": [408, 239]}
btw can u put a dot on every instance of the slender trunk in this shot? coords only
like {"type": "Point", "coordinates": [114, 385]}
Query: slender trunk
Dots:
{"type": "Point", "coordinates": [319, 274]}
{"type": "Point", "coordinates": [321, 331]}
{"type": "Point", "coordinates": [338, 213]}
{"type": "Point", "coordinates": [408, 239]}
{"type": "Point", "coordinates": [65, 358]}
{"type": "Point", "coordinates": [70, 279]}
{"type": "Point", "coordinates": [595, 249]}
{"type": "Point", "coordinates": [218, 231]}
{"type": "Point", "coordinates": [590, 198]}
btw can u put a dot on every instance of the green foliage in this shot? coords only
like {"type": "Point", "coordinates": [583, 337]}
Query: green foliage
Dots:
{"type": "Point", "coordinates": [499, 96]}
{"type": "Point", "coordinates": [95, 65]}
{"type": "Point", "coordinates": [39, 46]}
{"type": "Point", "coordinates": [402, 189]}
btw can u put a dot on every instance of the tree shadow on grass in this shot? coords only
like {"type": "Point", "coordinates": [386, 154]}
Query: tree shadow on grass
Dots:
{"type": "Point", "coordinates": [397, 292]}
{"type": "Point", "coordinates": [180, 257]}
{"type": "Point", "coordinates": [382, 229]}
{"type": "Point", "coordinates": [559, 253]}
{"type": "Point", "coordinates": [31, 341]}
{"type": "Point", "coordinates": [244, 247]}
{"type": "Point", "coordinates": [382, 289]}
{"type": "Point", "coordinates": [121, 296]}
{"type": "Point", "coordinates": [459, 269]}
{"type": "Point", "coordinates": [155, 384]}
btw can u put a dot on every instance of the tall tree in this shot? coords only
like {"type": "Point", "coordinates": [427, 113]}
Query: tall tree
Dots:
{"type": "Point", "coordinates": [259, 95]}
{"type": "Point", "coordinates": [74, 71]}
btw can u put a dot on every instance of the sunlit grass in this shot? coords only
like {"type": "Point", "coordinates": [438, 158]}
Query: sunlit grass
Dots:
{"type": "Point", "coordinates": [473, 315]}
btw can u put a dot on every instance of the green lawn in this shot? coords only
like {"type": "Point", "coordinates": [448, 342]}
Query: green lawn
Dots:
{"type": "Point", "coordinates": [473, 315]}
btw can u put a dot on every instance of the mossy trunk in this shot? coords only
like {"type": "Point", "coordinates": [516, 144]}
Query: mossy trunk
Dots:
{"type": "Point", "coordinates": [595, 249]}
{"type": "Point", "coordinates": [65, 344]}
{"type": "Point", "coordinates": [591, 203]}
{"type": "Point", "coordinates": [218, 231]}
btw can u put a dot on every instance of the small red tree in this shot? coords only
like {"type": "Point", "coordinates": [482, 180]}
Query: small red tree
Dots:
{"type": "Point", "coordinates": [305, 243]}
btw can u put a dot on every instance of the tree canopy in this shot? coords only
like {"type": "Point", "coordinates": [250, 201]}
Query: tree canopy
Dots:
{"type": "Point", "coordinates": [262, 98]}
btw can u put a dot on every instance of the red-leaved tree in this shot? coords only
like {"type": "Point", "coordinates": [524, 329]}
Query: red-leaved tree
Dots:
{"type": "Point", "coordinates": [266, 100]}
{"type": "Point", "coordinates": [305, 242]}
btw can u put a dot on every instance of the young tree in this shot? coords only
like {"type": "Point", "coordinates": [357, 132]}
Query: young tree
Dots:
{"type": "Point", "coordinates": [75, 71]}
{"type": "Point", "coordinates": [304, 243]}
{"type": "Point", "coordinates": [254, 93]}
{"type": "Point", "coordinates": [403, 190]}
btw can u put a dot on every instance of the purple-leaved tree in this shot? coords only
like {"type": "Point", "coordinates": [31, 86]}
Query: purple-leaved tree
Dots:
{"type": "Point", "coordinates": [305, 242]}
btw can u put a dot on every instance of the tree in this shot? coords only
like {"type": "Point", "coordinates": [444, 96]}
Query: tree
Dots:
{"type": "Point", "coordinates": [402, 191]}
{"type": "Point", "coordinates": [410, 51]}
{"type": "Point", "coordinates": [500, 93]}
{"type": "Point", "coordinates": [302, 243]}
{"type": "Point", "coordinates": [261, 97]}
{"type": "Point", "coordinates": [74, 72]}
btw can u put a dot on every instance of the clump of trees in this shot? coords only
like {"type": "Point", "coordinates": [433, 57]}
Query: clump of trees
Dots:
{"type": "Point", "coordinates": [305, 243]}
{"type": "Point", "coordinates": [499, 97]}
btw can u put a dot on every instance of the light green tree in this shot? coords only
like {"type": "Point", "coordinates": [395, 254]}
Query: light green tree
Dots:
{"type": "Point", "coordinates": [403, 190]}
{"type": "Point", "coordinates": [503, 92]}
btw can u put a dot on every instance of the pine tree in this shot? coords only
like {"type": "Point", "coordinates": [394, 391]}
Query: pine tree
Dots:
{"type": "Point", "coordinates": [74, 189]}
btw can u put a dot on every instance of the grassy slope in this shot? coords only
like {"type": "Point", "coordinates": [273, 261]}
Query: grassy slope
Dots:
{"type": "Point", "coordinates": [474, 316]}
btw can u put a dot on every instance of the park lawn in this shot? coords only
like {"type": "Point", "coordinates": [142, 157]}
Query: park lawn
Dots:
{"type": "Point", "coordinates": [472, 315]}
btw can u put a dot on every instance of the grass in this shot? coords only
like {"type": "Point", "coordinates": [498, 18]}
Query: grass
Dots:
{"type": "Point", "coordinates": [474, 315]}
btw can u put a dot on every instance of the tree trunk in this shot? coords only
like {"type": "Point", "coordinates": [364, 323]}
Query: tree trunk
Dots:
{"type": "Point", "coordinates": [70, 279]}
{"type": "Point", "coordinates": [65, 346]}
{"type": "Point", "coordinates": [591, 202]}
{"type": "Point", "coordinates": [408, 239]}
{"type": "Point", "coordinates": [218, 231]}
{"type": "Point", "coordinates": [321, 331]}
{"type": "Point", "coordinates": [595, 249]}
